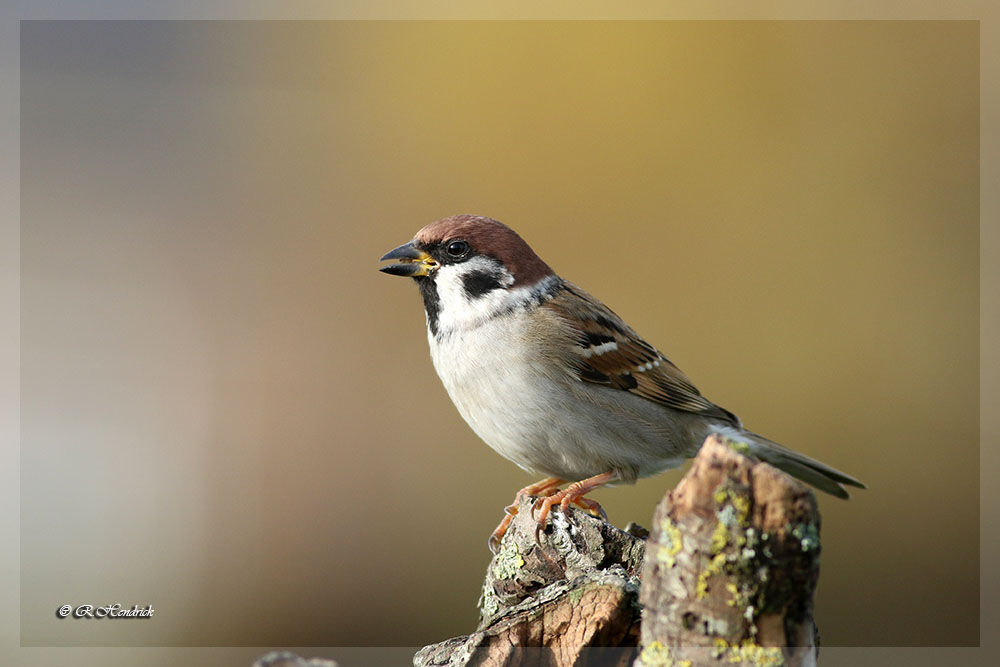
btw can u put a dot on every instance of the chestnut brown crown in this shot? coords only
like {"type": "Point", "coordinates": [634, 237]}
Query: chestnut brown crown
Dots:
{"type": "Point", "coordinates": [487, 236]}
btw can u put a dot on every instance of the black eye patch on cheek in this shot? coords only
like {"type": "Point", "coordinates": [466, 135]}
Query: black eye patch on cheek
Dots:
{"type": "Point", "coordinates": [480, 283]}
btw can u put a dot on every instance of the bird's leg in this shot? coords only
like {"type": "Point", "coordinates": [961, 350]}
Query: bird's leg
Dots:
{"type": "Point", "coordinates": [543, 488]}
{"type": "Point", "coordinates": [573, 494]}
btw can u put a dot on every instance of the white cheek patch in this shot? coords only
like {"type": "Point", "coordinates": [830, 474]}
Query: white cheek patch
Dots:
{"type": "Point", "coordinates": [459, 310]}
{"type": "Point", "coordinates": [450, 278]}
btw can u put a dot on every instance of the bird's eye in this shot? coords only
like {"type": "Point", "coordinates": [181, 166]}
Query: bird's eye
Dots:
{"type": "Point", "coordinates": [457, 249]}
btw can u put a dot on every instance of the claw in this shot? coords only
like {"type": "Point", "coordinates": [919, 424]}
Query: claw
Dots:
{"type": "Point", "coordinates": [592, 506]}
{"type": "Point", "coordinates": [573, 494]}
{"type": "Point", "coordinates": [494, 542]}
{"type": "Point", "coordinates": [548, 495]}
{"type": "Point", "coordinates": [544, 488]}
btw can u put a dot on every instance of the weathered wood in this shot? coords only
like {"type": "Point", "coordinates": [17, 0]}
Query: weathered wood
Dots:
{"type": "Point", "coordinates": [567, 597]}
{"type": "Point", "coordinates": [732, 563]}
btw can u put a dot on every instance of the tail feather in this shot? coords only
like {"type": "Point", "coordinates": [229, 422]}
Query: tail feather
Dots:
{"type": "Point", "coordinates": [800, 466]}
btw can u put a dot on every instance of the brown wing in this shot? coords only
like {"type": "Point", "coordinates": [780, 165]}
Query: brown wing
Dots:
{"type": "Point", "coordinates": [611, 353]}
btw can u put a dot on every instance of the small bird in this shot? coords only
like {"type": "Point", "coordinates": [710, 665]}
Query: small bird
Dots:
{"type": "Point", "coordinates": [553, 380]}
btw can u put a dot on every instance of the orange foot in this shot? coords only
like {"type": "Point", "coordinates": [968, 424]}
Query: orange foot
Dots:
{"type": "Point", "coordinates": [573, 495]}
{"type": "Point", "coordinates": [544, 488]}
{"type": "Point", "coordinates": [549, 496]}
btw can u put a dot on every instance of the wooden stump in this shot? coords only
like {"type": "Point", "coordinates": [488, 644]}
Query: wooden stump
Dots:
{"type": "Point", "coordinates": [731, 566]}
{"type": "Point", "coordinates": [569, 597]}
{"type": "Point", "coordinates": [729, 574]}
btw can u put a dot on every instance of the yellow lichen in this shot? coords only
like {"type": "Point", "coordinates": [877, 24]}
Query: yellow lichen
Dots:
{"type": "Point", "coordinates": [714, 567]}
{"type": "Point", "coordinates": [655, 653]}
{"type": "Point", "coordinates": [666, 553]}
{"type": "Point", "coordinates": [749, 652]}
{"type": "Point", "coordinates": [732, 588]}
{"type": "Point", "coordinates": [742, 505]}
{"type": "Point", "coordinates": [738, 445]}
{"type": "Point", "coordinates": [508, 562]}
{"type": "Point", "coordinates": [720, 538]}
{"type": "Point", "coordinates": [740, 502]}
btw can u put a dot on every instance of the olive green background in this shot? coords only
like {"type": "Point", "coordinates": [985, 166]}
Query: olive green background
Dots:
{"type": "Point", "coordinates": [229, 414]}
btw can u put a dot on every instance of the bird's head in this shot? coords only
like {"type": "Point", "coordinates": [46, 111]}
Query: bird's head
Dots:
{"type": "Point", "coordinates": [468, 267]}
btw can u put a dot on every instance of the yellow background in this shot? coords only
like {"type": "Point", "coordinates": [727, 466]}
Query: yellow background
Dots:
{"type": "Point", "coordinates": [229, 414]}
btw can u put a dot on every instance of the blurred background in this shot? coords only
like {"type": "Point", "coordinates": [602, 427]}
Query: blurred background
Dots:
{"type": "Point", "coordinates": [229, 414]}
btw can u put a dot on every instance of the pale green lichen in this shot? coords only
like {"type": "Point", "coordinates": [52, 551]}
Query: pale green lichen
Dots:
{"type": "Point", "coordinates": [488, 602]}
{"type": "Point", "coordinates": [742, 597]}
{"type": "Point", "coordinates": [506, 564]}
{"type": "Point", "coordinates": [807, 534]}
{"type": "Point", "coordinates": [667, 553]}
{"type": "Point", "coordinates": [716, 626]}
{"type": "Point", "coordinates": [735, 512]}
{"type": "Point", "coordinates": [738, 445]}
{"type": "Point", "coordinates": [732, 528]}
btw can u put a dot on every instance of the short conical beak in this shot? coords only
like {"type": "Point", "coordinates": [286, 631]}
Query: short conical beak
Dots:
{"type": "Point", "coordinates": [415, 262]}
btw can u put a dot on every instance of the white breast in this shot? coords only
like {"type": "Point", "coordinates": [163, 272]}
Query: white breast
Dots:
{"type": "Point", "coordinates": [495, 383]}
{"type": "Point", "coordinates": [540, 416]}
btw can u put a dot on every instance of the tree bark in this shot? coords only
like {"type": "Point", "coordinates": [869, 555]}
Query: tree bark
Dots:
{"type": "Point", "coordinates": [731, 567]}
{"type": "Point", "coordinates": [569, 596]}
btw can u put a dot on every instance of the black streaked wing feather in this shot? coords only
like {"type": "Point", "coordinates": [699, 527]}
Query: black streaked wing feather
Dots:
{"type": "Point", "coordinates": [612, 354]}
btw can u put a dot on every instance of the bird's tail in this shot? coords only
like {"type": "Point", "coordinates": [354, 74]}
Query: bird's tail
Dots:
{"type": "Point", "coordinates": [800, 466]}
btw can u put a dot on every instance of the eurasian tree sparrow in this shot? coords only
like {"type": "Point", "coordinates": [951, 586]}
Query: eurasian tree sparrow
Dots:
{"type": "Point", "coordinates": [552, 379]}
